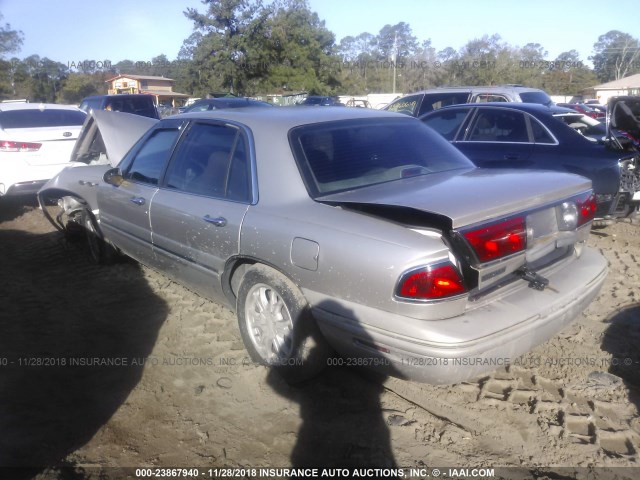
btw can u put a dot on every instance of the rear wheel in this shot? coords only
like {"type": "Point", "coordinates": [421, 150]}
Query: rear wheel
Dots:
{"type": "Point", "coordinates": [100, 252]}
{"type": "Point", "coordinates": [277, 327]}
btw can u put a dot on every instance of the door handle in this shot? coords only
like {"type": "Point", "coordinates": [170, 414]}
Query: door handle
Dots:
{"type": "Point", "coordinates": [218, 222]}
{"type": "Point", "coordinates": [137, 200]}
{"type": "Point", "coordinates": [511, 156]}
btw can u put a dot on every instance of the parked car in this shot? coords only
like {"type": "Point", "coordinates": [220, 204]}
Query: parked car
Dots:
{"type": "Point", "coordinates": [136, 103]}
{"type": "Point", "coordinates": [206, 104]}
{"type": "Point", "coordinates": [321, 101]}
{"type": "Point", "coordinates": [358, 103]}
{"type": "Point", "coordinates": [354, 228]}
{"type": "Point", "coordinates": [419, 103]}
{"type": "Point", "coordinates": [585, 109]}
{"type": "Point", "coordinates": [528, 136]}
{"type": "Point", "coordinates": [36, 140]}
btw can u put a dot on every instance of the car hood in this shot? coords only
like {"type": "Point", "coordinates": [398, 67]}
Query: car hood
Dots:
{"type": "Point", "coordinates": [623, 122]}
{"type": "Point", "coordinates": [119, 131]}
{"type": "Point", "coordinates": [468, 196]}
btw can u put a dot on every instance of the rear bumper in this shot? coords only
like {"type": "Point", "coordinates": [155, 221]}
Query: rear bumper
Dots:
{"type": "Point", "coordinates": [460, 348]}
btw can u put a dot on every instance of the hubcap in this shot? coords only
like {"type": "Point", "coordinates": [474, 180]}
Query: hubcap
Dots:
{"type": "Point", "coordinates": [268, 323]}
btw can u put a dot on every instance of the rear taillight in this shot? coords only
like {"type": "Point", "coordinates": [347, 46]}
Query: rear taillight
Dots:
{"type": "Point", "coordinates": [11, 146]}
{"type": "Point", "coordinates": [431, 283]}
{"type": "Point", "coordinates": [497, 240]}
{"type": "Point", "coordinates": [587, 207]}
{"type": "Point", "coordinates": [576, 212]}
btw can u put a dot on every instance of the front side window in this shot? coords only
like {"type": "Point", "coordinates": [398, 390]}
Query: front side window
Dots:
{"type": "Point", "coordinates": [212, 160]}
{"type": "Point", "coordinates": [447, 123]}
{"type": "Point", "coordinates": [499, 126]}
{"type": "Point", "coordinates": [149, 161]}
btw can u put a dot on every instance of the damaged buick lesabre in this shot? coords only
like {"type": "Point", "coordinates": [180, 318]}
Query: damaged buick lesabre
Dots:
{"type": "Point", "coordinates": [361, 231]}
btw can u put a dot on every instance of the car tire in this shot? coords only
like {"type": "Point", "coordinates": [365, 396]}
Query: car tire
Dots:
{"type": "Point", "coordinates": [99, 251]}
{"type": "Point", "coordinates": [277, 327]}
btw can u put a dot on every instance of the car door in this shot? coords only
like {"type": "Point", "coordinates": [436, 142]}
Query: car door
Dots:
{"type": "Point", "coordinates": [124, 209]}
{"type": "Point", "coordinates": [497, 138]}
{"type": "Point", "coordinates": [198, 210]}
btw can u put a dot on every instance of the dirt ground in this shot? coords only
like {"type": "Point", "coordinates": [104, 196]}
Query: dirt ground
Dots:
{"type": "Point", "coordinates": [179, 390]}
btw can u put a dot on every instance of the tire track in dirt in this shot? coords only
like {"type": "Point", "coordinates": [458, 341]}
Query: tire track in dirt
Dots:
{"type": "Point", "coordinates": [231, 412]}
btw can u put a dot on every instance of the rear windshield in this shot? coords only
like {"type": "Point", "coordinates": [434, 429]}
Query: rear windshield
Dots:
{"type": "Point", "coordinates": [536, 97]}
{"type": "Point", "coordinates": [36, 118]}
{"type": "Point", "coordinates": [344, 155]}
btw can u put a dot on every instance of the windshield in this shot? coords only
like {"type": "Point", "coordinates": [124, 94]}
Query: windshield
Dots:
{"type": "Point", "coordinates": [345, 155]}
{"type": "Point", "coordinates": [536, 97]}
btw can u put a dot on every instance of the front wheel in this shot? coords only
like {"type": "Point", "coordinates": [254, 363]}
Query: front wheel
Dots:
{"type": "Point", "coordinates": [277, 327]}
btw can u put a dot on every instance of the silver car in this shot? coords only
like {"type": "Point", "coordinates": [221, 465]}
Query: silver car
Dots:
{"type": "Point", "coordinates": [355, 229]}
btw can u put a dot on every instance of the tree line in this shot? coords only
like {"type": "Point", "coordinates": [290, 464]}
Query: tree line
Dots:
{"type": "Point", "coordinates": [245, 47]}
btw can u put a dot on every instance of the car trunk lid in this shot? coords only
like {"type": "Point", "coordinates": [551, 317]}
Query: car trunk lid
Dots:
{"type": "Point", "coordinates": [474, 196]}
{"type": "Point", "coordinates": [480, 210]}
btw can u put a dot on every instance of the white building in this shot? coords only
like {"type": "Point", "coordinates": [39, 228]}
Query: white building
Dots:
{"type": "Point", "coordinates": [625, 86]}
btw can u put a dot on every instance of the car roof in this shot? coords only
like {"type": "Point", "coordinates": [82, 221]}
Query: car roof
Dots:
{"type": "Point", "coordinates": [117, 95]}
{"type": "Point", "coordinates": [4, 107]}
{"type": "Point", "coordinates": [526, 107]}
{"type": "Point", "coordinates": [289, 117]}
{"type": "Point", "coordinates": [484, 88]}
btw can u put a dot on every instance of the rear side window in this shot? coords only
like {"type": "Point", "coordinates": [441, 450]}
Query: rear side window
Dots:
{"type": "Point", "coordinates": [499, 126]}
{"type": "Point", "coordinates": [540, 134]}
{"type": "Point", "coordinates": [36, 118]}
{"type": "Point", "coordinates": [211, 160]}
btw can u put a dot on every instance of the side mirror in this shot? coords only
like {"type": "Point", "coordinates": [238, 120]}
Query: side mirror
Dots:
{"type": "Point", "coordinates": [113, 176]}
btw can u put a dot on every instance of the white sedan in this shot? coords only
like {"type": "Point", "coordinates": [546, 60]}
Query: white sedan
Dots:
{"type": "Point", "coordinates": [36, 140]}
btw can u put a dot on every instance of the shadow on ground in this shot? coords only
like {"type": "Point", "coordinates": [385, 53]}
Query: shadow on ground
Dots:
{"type": "Point", "coordinates": [71, 333]}
{"type": "Point", "coordinates": [622, 340]}
{"type": "Point", "coordinates": [337, 397]}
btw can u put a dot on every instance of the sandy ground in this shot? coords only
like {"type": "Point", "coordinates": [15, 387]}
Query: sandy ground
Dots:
{"type": "Point", "coordinates": [184, 393]}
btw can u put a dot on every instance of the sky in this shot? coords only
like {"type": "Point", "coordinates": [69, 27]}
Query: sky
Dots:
{"type": "Point", "coordinates": [70, 31]}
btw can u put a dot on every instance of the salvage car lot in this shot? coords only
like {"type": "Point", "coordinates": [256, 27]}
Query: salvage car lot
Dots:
{"type": "Point", "coordinates": [192, 398]}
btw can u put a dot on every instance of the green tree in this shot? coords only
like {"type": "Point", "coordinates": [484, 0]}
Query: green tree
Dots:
{"type": "Point", "coordinates": [240, 46]}
{"type": "Point", "coordinates": [568, 75]}
{"type": "Point", "coordinates": [228, 30]}
{"type": "Point", "coordinates": [616, 55]}
{"type": "Point", "coordinates": [10, 42]}
{"type": "Point", "coordinates": [80, 85]}
{"type": "Point", "coordinates": [297, 51]}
